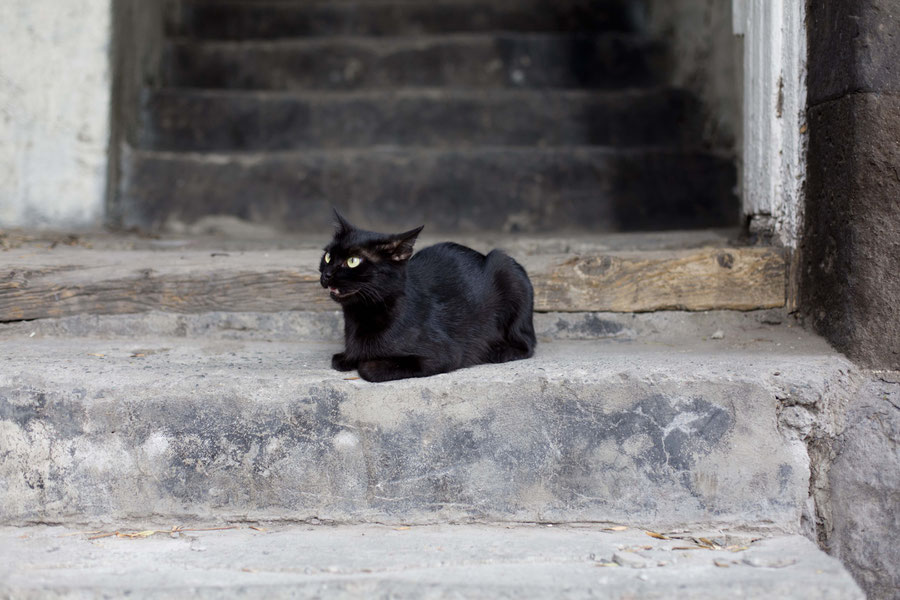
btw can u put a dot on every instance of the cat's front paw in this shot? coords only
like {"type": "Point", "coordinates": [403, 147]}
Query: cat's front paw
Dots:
{"type": "Point", "coordinates": [340, 362]}
{"type": "Point", "coordinates": [379, 370]}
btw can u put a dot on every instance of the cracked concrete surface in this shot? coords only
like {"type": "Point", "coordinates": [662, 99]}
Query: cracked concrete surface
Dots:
{"type": "Point", "coordinates": [657, 431]}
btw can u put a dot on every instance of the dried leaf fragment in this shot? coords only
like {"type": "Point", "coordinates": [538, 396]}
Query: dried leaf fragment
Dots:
{"type": "Point", "coordinates": [150, 532]}
{"type": "Point", "coordinates": [658, 536]}
{"type": "Point", "coordinates": [615, 528]}
{"type": "Point", "coordinates": [139, 534]}
{"type": "Point", "coordinates": [211, 528]}
{"type": "Point", "coordinates": [721, 563]}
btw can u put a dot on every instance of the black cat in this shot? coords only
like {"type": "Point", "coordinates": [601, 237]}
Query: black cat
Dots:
{"type": "Point", "coordinates": [445, 308]}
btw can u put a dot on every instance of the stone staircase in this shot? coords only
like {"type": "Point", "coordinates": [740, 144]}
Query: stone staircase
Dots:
{"type": "Point", "coordinates": [153, 387]}
{"type": "Point", "coordinates": [169, 423]}
{"type": "Point", "coordinates": [511, 116]}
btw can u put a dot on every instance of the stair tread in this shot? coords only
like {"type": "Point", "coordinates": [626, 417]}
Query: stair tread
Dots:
{"type": "Point", "coordinates": [589, 278]}
{"type": "Point", "coordinates": [487, 60]}
{"type": "Point", "coordinates": [436, 94]}
{"type": "Point", "coordinates": [241, 20]}
{"type": "Point", "coordinates": [453, 190]}
{"type": "Point", "coordinates": [391, 43]}
{"type": "Point", "coordinates": [661, 434]}
{"type": "Point", "coordinates": [437, 562]}
{"type": "Point", "coordinates": [226, 120]}
{"type": "Point", "coordinates": [387, 152]}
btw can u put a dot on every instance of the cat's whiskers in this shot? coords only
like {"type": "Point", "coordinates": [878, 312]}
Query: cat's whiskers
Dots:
{"type": "Point", "coordinates": [368, 293]}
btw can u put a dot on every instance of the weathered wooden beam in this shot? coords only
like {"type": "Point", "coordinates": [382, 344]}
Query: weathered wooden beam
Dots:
{"type": "Point", "coordinates": [635, 281]}
{"type": "Point", "coordinates": [36, 284]}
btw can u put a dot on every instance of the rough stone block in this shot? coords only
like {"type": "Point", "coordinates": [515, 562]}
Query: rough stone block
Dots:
{"type": "Point", "coordinates": [851, 247]}
{"type": "Point", "coordinates": [856, 47]}
{"type": "Point", "coordinates": [865, 489]}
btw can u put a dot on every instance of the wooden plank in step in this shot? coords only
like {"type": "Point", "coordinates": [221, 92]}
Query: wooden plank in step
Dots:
{"type": "Point", "coordinates": [36, 284]}
{"type": "Point", "coordinates": [636, 281]}
{"type": "Point", "coordinates": [59, 283]}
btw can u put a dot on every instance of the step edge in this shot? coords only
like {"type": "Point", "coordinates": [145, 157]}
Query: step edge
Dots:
{"type": "Point", "coordinates": [415, 93]}
{"type": "Point", "coordinates": [401, 41]}
{"type": "Point", "coordinates": [401, 151]}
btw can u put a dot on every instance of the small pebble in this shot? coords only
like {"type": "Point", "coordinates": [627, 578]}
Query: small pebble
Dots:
{"type": "Point", "coordinates": [718, 335]}
{"type": "Point", "coordinates": [771, 563]}
{"type": "Point", "coordinates": [629, 559]}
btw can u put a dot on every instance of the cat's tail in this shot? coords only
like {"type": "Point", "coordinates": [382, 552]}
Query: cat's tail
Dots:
{"type": "Point", "coordinates": [515, 310]}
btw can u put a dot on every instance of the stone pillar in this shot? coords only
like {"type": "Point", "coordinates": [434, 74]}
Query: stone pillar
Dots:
{"type": "Point", "coordinates": [849, 276]}
{"type": "Point", "coordinates": [850, 271]}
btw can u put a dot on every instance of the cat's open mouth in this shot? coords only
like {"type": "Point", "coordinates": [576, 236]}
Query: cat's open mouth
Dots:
{"type": "Point", "coordinates": [336, 293]}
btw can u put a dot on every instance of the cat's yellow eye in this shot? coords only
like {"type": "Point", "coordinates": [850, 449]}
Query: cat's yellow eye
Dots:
{"type": "Point", "coordinates": [353, 262]}
{"type": "Point", "coordinates": [327, 257]}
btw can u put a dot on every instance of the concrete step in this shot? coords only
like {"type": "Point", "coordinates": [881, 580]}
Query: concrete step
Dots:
{"type": "Point", "coordinates": [419, 562]}
{"type": "Point", "coordinates": [523, 189]}
{"type": "Point", "coordinates": [691, 431]}
{"type": "Point", "coordinates": [272, 20]}
{"type": "Point", "coordinates": [483, 61]}
{"type": "Point", "coordinates": [696, 271]}
{"type": "Point", "coordinates": [328, 325]}
{"type": "Point", "coordinates": [196, 121]}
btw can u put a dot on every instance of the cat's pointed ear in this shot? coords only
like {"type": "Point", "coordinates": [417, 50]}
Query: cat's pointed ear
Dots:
{"type": "Point", "coordinates": [400, 246]}
{"type": "Point", "coordinates": [342, 225]}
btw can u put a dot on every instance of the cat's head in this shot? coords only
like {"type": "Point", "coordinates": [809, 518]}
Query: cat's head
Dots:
{"type": "Point", "coordinates": [361, 266]}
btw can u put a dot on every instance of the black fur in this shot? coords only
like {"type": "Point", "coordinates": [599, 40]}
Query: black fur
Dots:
{"type": "Point", "coordinates": [444, 308]}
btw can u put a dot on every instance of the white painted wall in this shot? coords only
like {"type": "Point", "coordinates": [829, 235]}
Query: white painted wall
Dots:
{"type": "Point", "coordinates": [774, 143]}
{"type": "Point", "coordinates": [54, 111]}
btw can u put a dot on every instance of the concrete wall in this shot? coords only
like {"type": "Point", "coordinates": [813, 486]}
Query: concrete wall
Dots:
{"type": "Point", "coordinates": [706, 60]}
{"type": "Point", "coordinates": [54, 111]}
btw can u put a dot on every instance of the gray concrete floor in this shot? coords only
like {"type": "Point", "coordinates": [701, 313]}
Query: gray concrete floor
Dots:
{"type": "Point", "coordinates": [471, 561]}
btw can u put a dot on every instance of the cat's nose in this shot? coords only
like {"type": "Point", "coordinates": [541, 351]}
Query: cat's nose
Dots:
{"type": "Point", "coordinates": [325, 279]}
